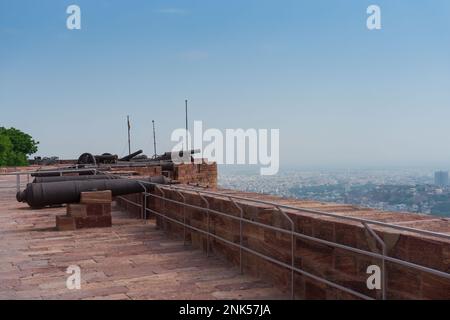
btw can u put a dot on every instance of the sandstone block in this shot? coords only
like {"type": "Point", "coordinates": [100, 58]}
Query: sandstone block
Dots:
{"type": "Point", "coordinates": [94, 197]}
{"type": "Point", "coordinates": [98, 209]}
{"type": "Point", "coordinates": [76, 210]}
{"type": "Point", "coordinates": [93, 222]}
{"type": "Point", "coordinates": [65, 223]}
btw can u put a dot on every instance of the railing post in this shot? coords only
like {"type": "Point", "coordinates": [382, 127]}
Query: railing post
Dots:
{"type": "Point", "coordinates": [144, 202]}
{"type": "Point", "coordinates": [241, 215]}
{"type": "Point", "coordinates": [292, 250]}
{"type": "Point", "coordinates": [163, 205]}
{"type": "Point", "coordinates": [383, 260]}
{"type": "Point", "coordinates": [18, 182]}
{"type": "Point", "coordinates": [145, 206]}
{"type": "Point", "coordinates": [207, 222]}
{"type": "Point", "coordinates": [184, 215]}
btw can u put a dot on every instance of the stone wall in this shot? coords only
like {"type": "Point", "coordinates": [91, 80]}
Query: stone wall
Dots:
{"type": "Point", "coordinates": [337, 265]}
{"type": "Point", "coordinates": [203, 174]}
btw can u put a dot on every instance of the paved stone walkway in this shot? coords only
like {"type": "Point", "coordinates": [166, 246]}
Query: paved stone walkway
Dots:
{"type": "Point", "coordinates": [131, 260]}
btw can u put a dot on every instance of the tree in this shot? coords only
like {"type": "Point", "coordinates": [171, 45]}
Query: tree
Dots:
{"type": "Point", "coordinates": [15, 145]}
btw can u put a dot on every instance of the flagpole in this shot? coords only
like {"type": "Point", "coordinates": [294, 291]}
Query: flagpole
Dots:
{"type": "Point", "coordinates": [186, 110]}
{"type": "Point", "coordinates": [129, 141]}
{"type": "Point", "coordinates": [154, 138]}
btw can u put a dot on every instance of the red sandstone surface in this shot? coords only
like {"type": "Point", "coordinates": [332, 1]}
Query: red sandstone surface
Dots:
{"type": "Point", "coordinates": [131, 260]}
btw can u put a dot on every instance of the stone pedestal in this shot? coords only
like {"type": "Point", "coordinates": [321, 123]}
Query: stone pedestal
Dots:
{"type": "Point", "coordinates": [93, 211]}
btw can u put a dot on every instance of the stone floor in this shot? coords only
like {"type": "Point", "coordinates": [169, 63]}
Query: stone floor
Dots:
{"type": "Point", "coordinates": [131, 260]}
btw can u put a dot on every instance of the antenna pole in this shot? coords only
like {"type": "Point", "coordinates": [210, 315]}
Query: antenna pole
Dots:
{"type": "Point", "coordinates": [154, 137]}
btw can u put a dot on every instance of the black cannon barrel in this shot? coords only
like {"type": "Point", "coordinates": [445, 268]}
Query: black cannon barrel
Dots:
{"type": "Point", "coordinates": [73, 178]}
{"type": "Point", "coordinates": [39, 195]}
{"type": "Point", "coordinates": [56, 172]}
{"type": "Point", "coordinates": [131, 156]}
{"type": "Point", "coordinates": [167, 156]}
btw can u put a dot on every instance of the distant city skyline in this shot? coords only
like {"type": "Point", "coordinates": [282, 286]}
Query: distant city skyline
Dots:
{"type": "Point", "coordinates": [341, 95]}
{"type": "Point", "coordinates": [441, 178]}
{"type": "Point", "coordinates": [403, 190]}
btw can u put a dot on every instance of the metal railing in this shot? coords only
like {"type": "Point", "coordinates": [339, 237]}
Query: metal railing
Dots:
{"type": "Point", "coordinates": [20, 182]}
{"type": "Point", "coordinates": [280, 208]}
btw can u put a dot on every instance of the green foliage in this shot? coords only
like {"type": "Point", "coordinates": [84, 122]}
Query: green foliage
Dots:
{"type": "Point", "coordinates": [15, 145]}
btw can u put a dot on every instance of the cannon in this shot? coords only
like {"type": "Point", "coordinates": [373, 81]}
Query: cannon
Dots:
{"type": "Point", "coordinates": [131, 156]}
{"type": "Point", "coordinates": [88, 158]}
{"type": "Point", "coordinates": [59, 172]}
{"type": "Point", "coordinates": [168, 156]}
{"type": "Point", "coordinates": [105, 158]}
{"type": "Point", "coordinates": [73, 178]}
{"type": "Point", "coordinates": [39, 195]}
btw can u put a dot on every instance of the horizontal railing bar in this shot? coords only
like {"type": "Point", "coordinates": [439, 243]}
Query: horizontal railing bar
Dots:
{"type": "Point", "coordinates": [46, 171]}
{"type": "Point", "coordinates": [129, 201]}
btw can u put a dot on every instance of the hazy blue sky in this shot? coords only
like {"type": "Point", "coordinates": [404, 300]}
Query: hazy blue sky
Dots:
{"type": "Point", "coordinates": [339, 93]}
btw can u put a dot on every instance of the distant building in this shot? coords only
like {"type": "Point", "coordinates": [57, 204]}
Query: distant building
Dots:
{"type": "Point", "coordinates": [441, 178]}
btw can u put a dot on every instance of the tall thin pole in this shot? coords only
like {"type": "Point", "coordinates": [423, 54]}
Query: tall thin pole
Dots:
{"type": "Point", "coordinates": [187, 141]}
{"type": "Point", "coordinates": [129, 141]}
{"type": "Point", "coordinates": [154, 137]}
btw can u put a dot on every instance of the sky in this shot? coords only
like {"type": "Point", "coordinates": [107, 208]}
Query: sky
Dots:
{"type": "Point", "coordinates": [341, 95]}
